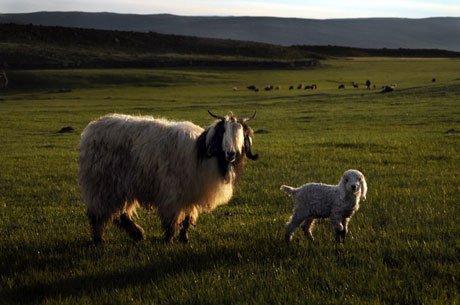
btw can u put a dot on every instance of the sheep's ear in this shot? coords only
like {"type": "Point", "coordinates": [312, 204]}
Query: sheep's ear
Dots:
{"type": "Point", "coordinates": [363, 188]}
{"type": "Point", "coordinates": [342, 190]}
{"type": "Point", "coordinates": [211, 146]}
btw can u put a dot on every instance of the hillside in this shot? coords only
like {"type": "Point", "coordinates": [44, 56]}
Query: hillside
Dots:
{"type": "Point", "coordinates": [429, 33]}
{"type": "Point", "coordinates": [30, 46]}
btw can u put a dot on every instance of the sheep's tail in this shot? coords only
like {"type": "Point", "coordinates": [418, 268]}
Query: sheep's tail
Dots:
{"type": "Point", "coordinates": [288, 189]}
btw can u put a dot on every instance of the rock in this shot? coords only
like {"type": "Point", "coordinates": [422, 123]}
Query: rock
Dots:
{"type": "Point", "coordinates": [66, 129]}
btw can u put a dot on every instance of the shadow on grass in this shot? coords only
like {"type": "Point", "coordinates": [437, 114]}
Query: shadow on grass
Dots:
{"type": "Point", "coordinates": [167, 261]}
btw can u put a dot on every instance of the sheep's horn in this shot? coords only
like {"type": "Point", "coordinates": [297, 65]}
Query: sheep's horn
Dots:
{"type": "Point", "coordinates": [216, 116]}
{"type": "Point", "coordinates": [248, 119]}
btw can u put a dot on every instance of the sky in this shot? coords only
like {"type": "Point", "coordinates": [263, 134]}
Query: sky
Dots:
{"type": "Point", "coordinates": [289, 8]}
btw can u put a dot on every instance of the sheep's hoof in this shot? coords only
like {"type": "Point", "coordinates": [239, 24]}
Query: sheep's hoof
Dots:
{"type": "Point", "coordinates": [138, 234]}
{"type": "Point", "coordinates": [97, 240]}
{"type": "Point", "coordinates": [169, 239]}
{"type": "Point", "coordinates": [183, 237]}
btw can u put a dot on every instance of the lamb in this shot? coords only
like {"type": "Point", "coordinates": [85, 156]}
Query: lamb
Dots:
{"type": "Point", "coordinates": [179, 168]}
{"type": "Point", "coordinates": [316, 200]}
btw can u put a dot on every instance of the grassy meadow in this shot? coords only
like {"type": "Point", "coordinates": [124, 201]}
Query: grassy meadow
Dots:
{"type": "Point", "coordinates": [404, 242]}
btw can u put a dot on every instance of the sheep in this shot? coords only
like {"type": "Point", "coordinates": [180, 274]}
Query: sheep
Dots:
{"type": "Point", "coordinates": [179, 168]}
{"type": "Point", "coordinates": [234, 88]}
{"type": "Point", "coordinates": [368, 84]}
{"type": "Point", "coordinates": [3, 80]}
{"type": "Point", "coordinates": [268, 88]}
{"type": "Point", "coordinates": [316, 200]}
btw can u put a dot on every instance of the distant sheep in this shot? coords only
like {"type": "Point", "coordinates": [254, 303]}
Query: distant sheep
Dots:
{"type": "Point", "coordinates": [368, 84]}
{"type": "Point", "coordinates": [3, 80]}
{"type": "Point", "coordinates": [316, 200]}
{"type": "Point", "coordinates": [177, 167]}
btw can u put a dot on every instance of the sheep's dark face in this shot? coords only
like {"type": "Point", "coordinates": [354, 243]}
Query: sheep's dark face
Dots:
{"type": "Point", "coordinates": [232, 139]}
{"type": "Point", "coordinates": [229, 140]}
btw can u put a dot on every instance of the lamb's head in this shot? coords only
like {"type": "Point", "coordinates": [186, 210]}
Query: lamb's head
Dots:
{"type": "Point", "coordinates": [353, 182]}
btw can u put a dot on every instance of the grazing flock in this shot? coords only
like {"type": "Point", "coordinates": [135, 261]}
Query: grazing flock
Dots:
{"type": "Point", "coordinates": [368, 85]}
{"type": "Point", "coordinates": [181, 169]}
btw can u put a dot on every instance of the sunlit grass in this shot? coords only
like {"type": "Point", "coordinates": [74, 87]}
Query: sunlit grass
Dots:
{"type": "Point", "coordinates": [404, 244]}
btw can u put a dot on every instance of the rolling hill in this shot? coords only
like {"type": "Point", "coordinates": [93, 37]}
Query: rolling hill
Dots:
{"type": "Point", "coordinates": [429, 33]}
{"type": "Point", "coordinates": [34, 46]}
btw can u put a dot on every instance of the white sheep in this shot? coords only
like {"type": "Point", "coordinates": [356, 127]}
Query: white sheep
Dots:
{"type": "Point", "coordinates": [177, 167]}
{"type": "Point", "coordinates": [316, 200]}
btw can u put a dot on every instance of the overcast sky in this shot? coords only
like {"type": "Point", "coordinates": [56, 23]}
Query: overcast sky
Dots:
{"type": "Point", "coordinates": [289, 8]}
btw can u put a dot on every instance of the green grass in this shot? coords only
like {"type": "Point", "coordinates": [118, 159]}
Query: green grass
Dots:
{"type": "Point", "coordinates": [404, 244]}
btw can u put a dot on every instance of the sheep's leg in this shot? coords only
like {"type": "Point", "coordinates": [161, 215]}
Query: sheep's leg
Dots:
{"type": "Point", "coordinates": [97, 227]}
{"type": "Point", "coordinates": [134, 231]}
{"type": "Point", "coordinates": [170, 232]}
{"type": "Point", "coordinates": [183, 235]}
{"type": "Point", "coordinates": [307, 227]}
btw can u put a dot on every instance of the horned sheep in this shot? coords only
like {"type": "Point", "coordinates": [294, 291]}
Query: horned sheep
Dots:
{"type": "Point", "coordinates": [179, 168]}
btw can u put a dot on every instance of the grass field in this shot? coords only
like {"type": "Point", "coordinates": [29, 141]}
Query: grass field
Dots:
{"type": "Point", "coordinates": [404, 243]}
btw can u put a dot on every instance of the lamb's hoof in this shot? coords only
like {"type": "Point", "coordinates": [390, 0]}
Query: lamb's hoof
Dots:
{"type": "Point", "coordinates": [288, 238]}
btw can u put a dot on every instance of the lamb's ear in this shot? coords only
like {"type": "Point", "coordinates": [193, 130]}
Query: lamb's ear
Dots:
{"type": "Point", "coordinates": [363, 188]}
{"type": "Point", "coordinates": [342, 190]}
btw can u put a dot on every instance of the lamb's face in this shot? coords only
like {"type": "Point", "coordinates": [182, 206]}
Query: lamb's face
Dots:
{"type": "Point", "coordinates": [354, 182]}
{"type": "Point", "coordinates": [233, 139]}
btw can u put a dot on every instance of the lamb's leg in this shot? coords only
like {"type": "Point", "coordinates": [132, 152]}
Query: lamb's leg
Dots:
{"type": "Point", "coordinates": [307, 227]}
{"type": "Point", "coordinates": [344, 232]}
{"type": "Point", "coordinates": [183, 235]}
{"type": "Point", "coordinates": [338, 228]}
{"type": "Point", "coordinates": [291, 227]}
{"type": "Point", "coordinates": [133, 230]}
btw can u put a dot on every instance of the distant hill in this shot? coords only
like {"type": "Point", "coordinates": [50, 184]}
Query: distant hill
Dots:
{"type": "Point", "coordinates": [34, 46]}
{"type": "Point", "coordinates": [429, 33]}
